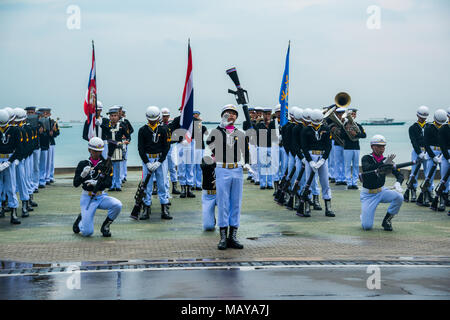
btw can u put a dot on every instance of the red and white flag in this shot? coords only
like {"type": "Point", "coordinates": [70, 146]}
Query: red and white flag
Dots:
{"type": "Point", "coordinates": [187, 103]}
{"type": "Point", "coordinates": [90, 101]}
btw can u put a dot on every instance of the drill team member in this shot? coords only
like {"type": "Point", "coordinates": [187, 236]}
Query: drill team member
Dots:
{"type": "Point", "coordinates": [44, 143]}
{"type": "Point", "coordinates": [32, 119]}
{"type": "Point", "coordinates": [53, 133]}
{"type": "Point", "coordinates": [100, 122]}
{"type": "Point", "coordinates": [115, 131]}
{"type": "Point", "coordinates": [432, 148]}
{"type": "Point", "coordinates": [297, 148]}
{"type": "Point", "coordinates": [209, 200]}
{"type": "Point", "coordinates": [198, 132]}
{"type": "Point", "coordinates": [229, 146]}
{"type": "Point", "coordinates": [165, 112]}
{"type": "Point", "coordinates": [258, 118]}
{"type": "Point", "coordinates": [153, 147]}
{"type": "Point", "coordinates": [129, 128]}
{"type": "Point", "coordinates": [286, 132]}
{"type": "Point", "coordinates": [88, 175]}
{"type": "Point", "coordinates": [444, 143]}
{"type": "Point", "coordinates": [9, 152]}
{"type": "Point", "coordinates": [373, 191]}
{"type": "Point", "coordinates": [316, 146]}
{"type": "Point", "coordinates": [351, 153]}
{"type": "Point", "coordinates": [265, 129]}
{"type": "Point", "coordinates": [416, 135]}
{"type": "Point", "coordinates": [249, 129]}
{"type": "Point", "coordinates": [28, 161]}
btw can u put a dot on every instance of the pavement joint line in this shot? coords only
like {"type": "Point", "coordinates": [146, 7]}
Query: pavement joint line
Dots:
{"type": "Point", "coordinates": [240, 268]}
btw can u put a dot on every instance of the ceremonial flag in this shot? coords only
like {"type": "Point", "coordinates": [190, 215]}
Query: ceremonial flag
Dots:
{"type": "Point", "coordinates": [90, 101]}
{"type": "Point", "coordinates": [187, 103]}
{"type": "Point", "coordinates": [284, 91]}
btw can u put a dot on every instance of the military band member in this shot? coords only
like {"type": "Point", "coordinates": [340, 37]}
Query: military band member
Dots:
{"type": "Point", "coordinates": [416, 135]}
{"type": "Point", "coordinates": [316, 146]}
{"type": "Point", "coordinates": [28, 161]}
{"type": "Point", "coordinates": [432, 148]}
{"type": "Point", "coordinates": [115, 131]}
{"type": "Point", "coordinates": [373, 191]}
{"type": "Point", "coordinates": [100, 122]}
{"type": "Point", "coordinates": [209, 201]}
{"type": "Point", "coordinates": [88, 175]}
{"type": "Point", "coordinates": [264, 130]}
{"type": "Point", "coordinates": [444, 143]}
{"type": "Point", "coordinates": [129, 128]}
{"type": "Point", "coordinates": [44, 144]}
{"type": "Point", "coordinates": [351, 152]}
{"type": "Point", "coordinates": [53, 133]}
{"type": "Point", "coordinates": [198, 132]}
{"type": "Point", "coordinates": [229, 147]}
{"type": "Point", "coordinates": [32, 120]}
{"type": "Point", "coordinates": [339, 172]}
{"type": "Point", "coordinates": [153, 146]}
{"type": "Point", "coordinates": [9, 153]}
{"type": "Point", "coordinates": [252, 140]}
{"type": "Point", "coordinates": [171, 156]}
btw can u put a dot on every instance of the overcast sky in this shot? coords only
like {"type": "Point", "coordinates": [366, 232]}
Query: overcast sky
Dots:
{"type": "Point", "coordinates": [141, 53]}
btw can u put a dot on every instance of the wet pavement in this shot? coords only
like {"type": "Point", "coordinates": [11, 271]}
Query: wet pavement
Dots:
{"type": "Point", "coordinates": [306, 282]}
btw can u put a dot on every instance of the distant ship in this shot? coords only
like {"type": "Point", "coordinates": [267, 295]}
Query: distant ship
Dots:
{"type": "Point", "coordinates": [382, 122]}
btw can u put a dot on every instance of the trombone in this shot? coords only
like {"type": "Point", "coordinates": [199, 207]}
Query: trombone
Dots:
{"type": "Point", "coordinates": [342, 100]}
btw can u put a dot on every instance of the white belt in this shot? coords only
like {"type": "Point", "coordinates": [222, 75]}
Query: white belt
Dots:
{"type": "Point", "coordinates": [90, 193]}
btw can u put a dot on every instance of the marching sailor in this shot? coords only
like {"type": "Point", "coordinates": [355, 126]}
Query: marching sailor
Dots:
{"type": "Point", "coordinates": [444, 143]}
{"type": "Point", "coordinates": [28, 161]}
{"type": "Point", "coordinates": [171, 156]}
{"type": "Point", "coordinates": [32, 120]}
{"type": "Point", "coordinates": [209, 201]}
{"type": "Point", "coordinates": [53, 133]}
{"type": "Point", "coordinates": [431, 139]}
{"type": "Point", "coordinates": [316, 146]}
{"type": "Point", "coordinates": [373, 191]}
{"type": "Point", "coordinates": [297, 149]}
{"type": "Point", "coordinates": [153, 147]}
{"type": "Point", "coordinates": [89, 175]}
{"type": "Point", "coordinates": [198, 132]}
{"type": "Point", "coordinates": [116, 133]}
{"type": "Point", "coordinates": [351, 152]}
{"type": "Point", "coordinates": [229, 146]}
{"type": "Point", "coordinates": [9, 153]}
{"type": "Point", "coordinates": [265, 129]}
{"type": "Point", "coordinates": [129, 128]}
{"type": "Point", "coordinates": [416, 135]}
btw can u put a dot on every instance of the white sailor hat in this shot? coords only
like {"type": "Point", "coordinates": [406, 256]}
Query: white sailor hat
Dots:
{"type": "Point", "coordinates": [124, 110]}
{"type": "Point", "coordinates": [99, 105]}
{"type": "Point", "coordinates": [267, 110]}
{"type": "Point", "coordinates": [165, 112]}
{"type": "Point", "coordinates": [378, 139]}
{"type": "Point", "coordinates": [228, 107]}
{"type": "Point", "coordinates": [96, 144]}
{"type": "Point", "coordinates": [340, 110]}
{"type": "Point", "coordinates": [278, 108]}
{"type": "Point", "coordinates": [251, 109]}
{"type": "Point", "coordinates": [261, 109]}
{"type": "Point", "coordinates": [113, 109]}
{"type": "Point", "coordinates": [423, 112]}
{"type": "Point", "coordinates": [353, 109]}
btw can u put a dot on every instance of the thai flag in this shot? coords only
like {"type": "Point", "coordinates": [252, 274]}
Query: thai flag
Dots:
{"type": "Point", "coordinates": [187, 103]}
{"type": "Point", "coordinates": [90, 101]}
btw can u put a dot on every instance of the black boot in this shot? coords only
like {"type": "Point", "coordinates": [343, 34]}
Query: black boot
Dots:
{"type": "Point", "coordinates": [232, 241]}
{"type": "Point", "coordinates": [427, 197]}
{"type": "Point", "coordinates": [75, 227]}
{"type": "Point", "coordinates": [145, 215]}
{"type": "Point", "coordinates": [32, 203]}
{"type": "Point", "coordinates": [307, 212]}
{"type": "Point", "coordinates": [2, 212]}
{"type": "Point", "coordinates": [174, 188]}
{"type": "Point", "coordinates": [301, 210]}
{"type": "Point", "coordinates": [155, 189]}
{"type": "Point", "coordinates": [387, 225]}
{"type": "Point", "coordinates": [189, 192]}
{"type": "Point", "coordinates": [413, 195]}
{"type": "Point", "coordinates": [328, 211]}
{"type": "Point", "coordinates": [290, 203]}
{"type": "Point", "coordinates": [165, 214]}
{"type": "Point", "coordinates": [447, 200]}
{"type": "Point", "coordinates": [29, 207]}
{"type": "Point", "coordinates": [441, 206]}
{"type": "Point", "coordinates": [25, 213]}
{"type": "Point", "coordinates": [316, 203]}
{"type": "Point", "coordinates": [105, 227]}
{"type": "Point", "coordinates": [223, 239]}
{"type": "Point", "coordinates": [14, 219]}
{"type": "Point", "coordinates": [276, 188]}
{"type": "Point", "coordinates": [183, 192]}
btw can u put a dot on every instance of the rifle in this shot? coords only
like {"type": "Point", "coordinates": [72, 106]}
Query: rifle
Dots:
{"type": "Point", "coordinates": [293, 192]}
{"type": "Point", "coordinates": [439, 191]}
{"type": "Point", "coordinates": [424, 196]}
{"type": "Point", "coordinates": [411, 181]}
{"type": "Point", "coordinates": [139, 196]}
{"type": "Point", "coordinates": [285, 185]}
{"type": "Point", "coordinates": [279, 192]}
{"type": "Point", "coordinates": [385, 168]}
{"type": "Point", "coordinates": [240, 94]}
{"type": "Point", "coordinates": [303, 206]}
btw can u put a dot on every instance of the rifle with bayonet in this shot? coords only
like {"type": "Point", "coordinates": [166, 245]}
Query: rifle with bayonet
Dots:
{"type": "Point", "coordinates": [139, 196]}
{"type": "Point", "coordinates": [425, 195]}
{"type": "Point", "coordinates": [240, 94]}
{"type": "Point", "coordinates": [285, 183]}
{"type": "Point", "coordinates": [440, 194]}
{"type": "Point", "coordinates": [293, 192]}
{"type": "Point", "coordinates": [386, 168]}
{"type": "Point", "coordinates": [410, 183]}
{"type": "Point", "coordinates": [303, 209]}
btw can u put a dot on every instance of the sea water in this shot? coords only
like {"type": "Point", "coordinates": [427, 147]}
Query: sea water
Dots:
{"type": "Point", "coordinates": [71, 148]}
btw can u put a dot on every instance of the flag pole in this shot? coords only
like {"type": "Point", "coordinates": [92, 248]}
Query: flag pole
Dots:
{"type": "Point", "coordinates": [93, 52]}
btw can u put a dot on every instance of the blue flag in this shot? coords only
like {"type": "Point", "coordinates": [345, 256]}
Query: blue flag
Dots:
{"type": "Point", "coordinates": [284, 91]}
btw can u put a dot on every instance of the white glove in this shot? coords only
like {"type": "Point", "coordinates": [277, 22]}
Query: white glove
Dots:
{"type": "Point", "coordinates": [16, 162]}
{"type": "Point", "coordinates": [85, 171]}
{"type": "Point", "coordinates": [97, 122]}
{"type": "Point", "coordinates": [313, 166]}
{"type": "Point", "coordinates": [2, 166]}
{"type": "Point", "coordinates": [156, 165]}
{"type": "Point", "coordinates": [448, 161]}
{"type": "Point", "coordinates": [398, 187]}
{"type": "Point", "coordinates": [304, 161]}
{"type": "Point", "coordinates": [247, 166]}
{"type": "Point", "coordinates": [91, 182]}
{"type": "Point", "coordinates": [6, 165]}
{"type": "Point", "coordinates": [320, 163]}
{"type": "Point", "coordinates": [184, 142]}
{"type": "Point", "coordinates": [224, 122]}
{"type": "Point", "coordinates": [149, 166]}
{"type": "Point", "coordinates": [422, 155]}
{"type": "Point", "coordinates": [437, 160]}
